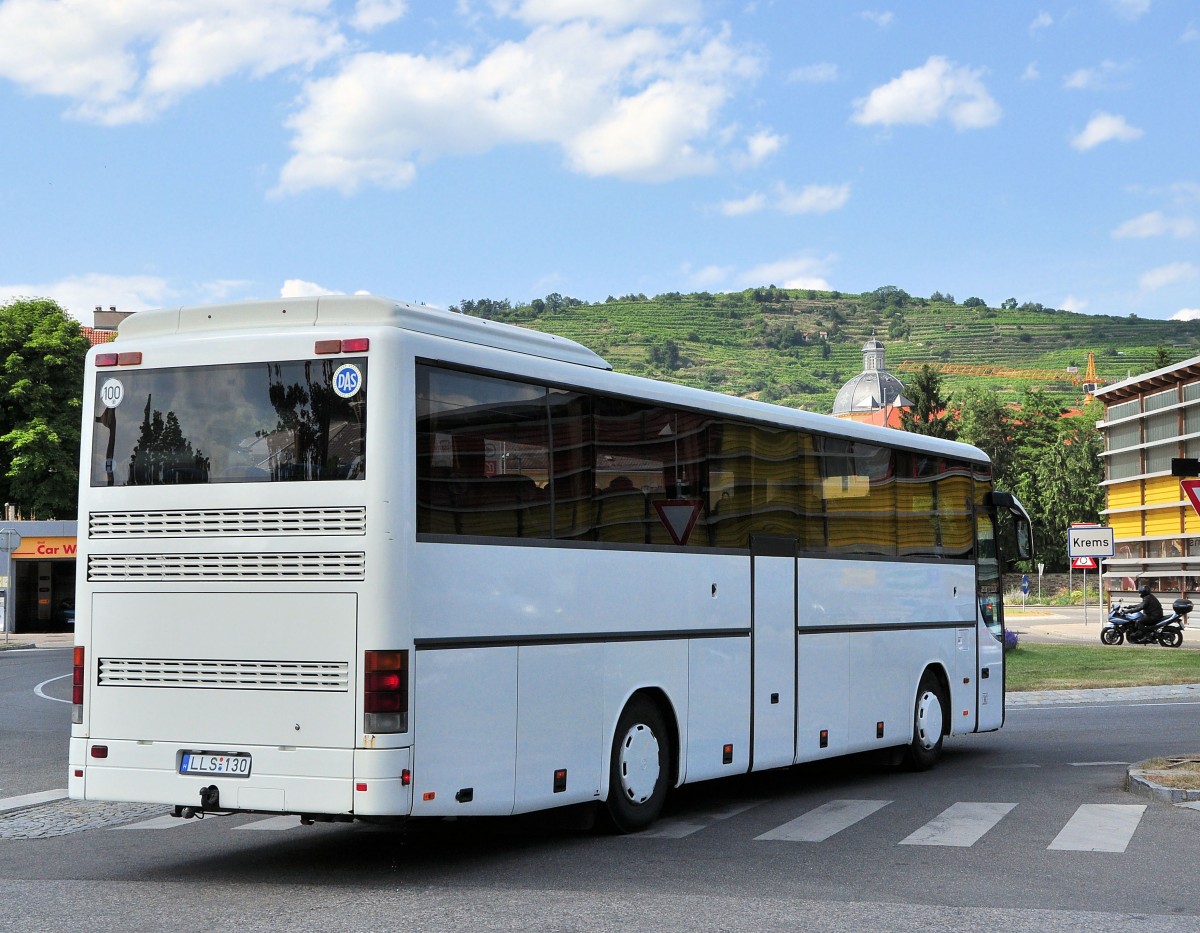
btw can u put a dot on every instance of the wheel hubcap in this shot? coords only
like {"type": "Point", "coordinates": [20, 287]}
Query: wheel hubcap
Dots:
{"type": "Point", "coordinates": [929, 719]}
{"type": "Point", "coordinates": [638, 763]}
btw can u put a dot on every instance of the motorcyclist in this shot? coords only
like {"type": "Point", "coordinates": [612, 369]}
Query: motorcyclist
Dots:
{"type": "Point", "coordinates": [1147, 613]}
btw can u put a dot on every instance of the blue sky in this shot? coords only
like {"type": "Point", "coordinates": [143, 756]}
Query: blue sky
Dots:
{"type": "Point", "coordinates": [157, 153]}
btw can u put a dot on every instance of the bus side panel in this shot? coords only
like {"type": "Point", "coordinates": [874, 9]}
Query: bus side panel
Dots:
{"type": "Point", "coordinates": [465, 737]}
{"type": "Point", "coordinates": [559, 725]}
{"type": "Point", "coordinates": [660, 667]}
{"type": "Point", "coordinates": [822, 695]}
{"type": "Point", "coordinates": [718, 708]}
{"type": "Point", "coordinates": [885, 671]}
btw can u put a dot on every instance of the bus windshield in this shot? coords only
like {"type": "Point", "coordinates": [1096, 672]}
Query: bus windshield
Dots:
{"type": "Point", "coordinates": [237, 423]}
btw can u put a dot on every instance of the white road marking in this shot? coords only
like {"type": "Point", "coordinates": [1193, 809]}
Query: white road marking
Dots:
{"type": "Point", "coordinates": [825, 821]}
{"type": "Point", "coordinates": [273, 823]}
{"type": "Point", "coordinates": [1099, 827]}
{"type": "Point", "coordinates": [31, 800]}
{"type": "Point", "coordinates": [679, 827]}
{"type": "Point", "coordinates": [962, 824]}
{"type": "Point", "coordinates": [38, 689]}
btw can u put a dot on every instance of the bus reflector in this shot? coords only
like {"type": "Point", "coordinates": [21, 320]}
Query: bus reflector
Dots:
{"type": "Point", "coordinates": [328, 346]}
{"type": "Point", "coordinates": [99, 751]}
{"type": "Point", "coordinates": [106, 359]}
{"type": "Point", "coordinates": [356, 345]}
{"type": "Point", "coordinates": [361, 786]}
{"type": "Point", "coordinates": [385, 691]}
{"type": "Point", "coordinates": [133, 358]}
{"type": "Point", "coordinates": [405, 777]}
{"type": "Point", "coordinates": [77, 685]}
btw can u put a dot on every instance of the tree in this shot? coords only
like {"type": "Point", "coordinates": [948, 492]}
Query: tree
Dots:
{"type": "Point", "coordinates": [1162, 357]}
{"type": "Point", "coordinates": [986, 422]}
{"type": "Point", "coordinates": [928, 414]}
{"type": "Point", "coordinates": [41, 380]}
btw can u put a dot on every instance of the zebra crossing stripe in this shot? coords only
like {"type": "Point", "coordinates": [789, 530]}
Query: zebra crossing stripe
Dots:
{"type": "Point", "coordinates": [679, 827]}
{"type": "Point", "coordinates": [1099, 827]}
{"type": "Point", "coordinates": [273, 823]}
{"type": "Point", "coordinates": [962, 824]}
{"type": "Point", "coordinates": [825, 821]}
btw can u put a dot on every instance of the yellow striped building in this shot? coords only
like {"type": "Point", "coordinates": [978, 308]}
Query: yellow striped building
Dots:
{"type": "Point", "coordinates": [1149, 420]}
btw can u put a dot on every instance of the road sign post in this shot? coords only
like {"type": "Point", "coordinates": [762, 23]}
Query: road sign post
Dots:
{"type": "Point", "coordinates": [1089, 542]}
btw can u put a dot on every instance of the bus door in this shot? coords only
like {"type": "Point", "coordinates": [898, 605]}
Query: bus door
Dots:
{"type": "Point", "coordinates": [773, 592]}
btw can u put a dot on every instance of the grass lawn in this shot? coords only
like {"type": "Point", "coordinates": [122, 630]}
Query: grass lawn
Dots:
{"type": "Point", "coordinates": [1066, 667]}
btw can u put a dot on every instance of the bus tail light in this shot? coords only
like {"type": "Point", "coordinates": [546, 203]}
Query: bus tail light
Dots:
{"type": "Point", "coordinates": [385, 691]}
{"type": "Point", "coordinates": [77, 685]}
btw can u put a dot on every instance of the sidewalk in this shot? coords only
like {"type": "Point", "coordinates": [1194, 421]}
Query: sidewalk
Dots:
{"type": "Point", "coordinates": [36, 640]}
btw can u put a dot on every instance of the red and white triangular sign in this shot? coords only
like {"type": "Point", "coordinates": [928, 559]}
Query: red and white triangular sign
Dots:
{"type": "Point", "coordinates": [1084, 563]}
{"type": "Point", "coordinates": [679, 516]}
{"type": "Point", "coordinates": [1191, 492]}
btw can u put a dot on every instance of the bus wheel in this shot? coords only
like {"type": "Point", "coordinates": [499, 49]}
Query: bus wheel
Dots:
{"type": "Point", "coordinates": [928, 722]}
{"type": "Point", "coordinates": [639, 770]}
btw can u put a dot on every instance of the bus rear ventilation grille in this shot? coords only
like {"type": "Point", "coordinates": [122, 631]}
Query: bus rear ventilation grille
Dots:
{"type": "Point", "coordinates": [329, 676]}
{"type": "Point", "coordinates": [170, 568]}
{"type": "Point", "coordinates": [228, 522]}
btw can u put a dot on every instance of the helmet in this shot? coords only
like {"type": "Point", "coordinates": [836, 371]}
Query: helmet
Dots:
{"type": "Point", "coordinates": [1143, 590]}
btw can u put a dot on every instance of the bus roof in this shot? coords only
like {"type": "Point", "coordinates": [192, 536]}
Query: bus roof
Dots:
{"type": "Point", "coordinates": [356, 309]}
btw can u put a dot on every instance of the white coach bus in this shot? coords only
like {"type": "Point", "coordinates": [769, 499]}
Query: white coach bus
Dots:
{"type": "Point", "coordinates": [514, 580]}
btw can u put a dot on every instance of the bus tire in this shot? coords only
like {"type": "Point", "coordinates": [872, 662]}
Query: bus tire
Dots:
{"type": "Point", "coordinates": [639, 767]}
{"type": "Point", "coordinates": [929, 720]}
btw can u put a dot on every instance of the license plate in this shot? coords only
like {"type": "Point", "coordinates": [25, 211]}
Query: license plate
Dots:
{"type": "Point", "coordinates": [226, 764]}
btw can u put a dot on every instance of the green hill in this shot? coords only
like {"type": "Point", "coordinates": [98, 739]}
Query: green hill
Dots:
{"type": "Point", "coordinates": [798, 347]}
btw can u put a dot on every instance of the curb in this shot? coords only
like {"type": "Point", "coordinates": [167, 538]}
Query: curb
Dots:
{"type": "Point", "coordinates": [1139, 780]}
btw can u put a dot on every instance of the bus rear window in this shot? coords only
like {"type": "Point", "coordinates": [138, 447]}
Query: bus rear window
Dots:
{"type": "Point", "coordinates": [239, 423]}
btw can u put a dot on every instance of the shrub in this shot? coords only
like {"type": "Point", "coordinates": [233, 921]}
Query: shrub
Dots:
{"type": "Point", "coordinates": [1010, 640]}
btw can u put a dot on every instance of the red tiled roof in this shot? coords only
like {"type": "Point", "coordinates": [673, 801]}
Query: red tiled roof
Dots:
{"type": "Point", "coordinates": [97, 336]}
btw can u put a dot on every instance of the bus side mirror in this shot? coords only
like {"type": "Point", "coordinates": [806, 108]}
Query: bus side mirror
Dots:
{"type": "Point", "coordinates": [1001, 502]}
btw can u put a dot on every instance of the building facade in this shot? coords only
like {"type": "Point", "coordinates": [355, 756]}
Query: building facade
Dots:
{"type": "Point", "coordinates": [1150, 420]}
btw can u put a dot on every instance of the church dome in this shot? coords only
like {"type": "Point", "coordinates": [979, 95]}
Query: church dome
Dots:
{"type": "Point", "coordinates": [868, 391]}
{"type": "Point", "coordinates": [872, 389]}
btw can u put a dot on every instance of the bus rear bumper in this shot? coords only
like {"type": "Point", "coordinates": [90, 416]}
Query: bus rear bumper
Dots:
{"type": "Point", "coordinates": [350, 782]}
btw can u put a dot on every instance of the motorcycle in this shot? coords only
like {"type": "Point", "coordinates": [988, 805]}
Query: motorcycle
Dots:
{"type": "Point", "coordinates": [1168, 632]}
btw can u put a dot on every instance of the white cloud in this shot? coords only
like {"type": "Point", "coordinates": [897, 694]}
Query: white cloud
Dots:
{"type": "Point", "coordinates": [820, 73]}
{"type": "Point", "coordinates": [793, 272]}
{"type": "Point", "coordinates": [612, 12]}
{"type": "Point", "coordinates": [127, 62]}
{"type": "Point", "coordinates": [1191, 33]}
{"type": "Point", "coordinates": [1094, 79]}
{"type": "Point", "coordinates": [1186, 314]}
{"type": "Point", "coordinates": [881, 18]}
{"type": "Point", "coordinates": [79, 295]}
{"type": "Point", "coordinates": [761, 146]}
{"type": "Point", "coordinates": [751, 204]}
{"type": "Point", "coordinates": [371, 14]}
{"type": "Point", "coordinates": [937, 90]}
{"type": "Point", "coordinates": [1155, 223]}
{"type": "Point", "coordinates": [1031, 72]}
{"type": "Point", "coordinates": [298, 288]}
{"type": "Point", "coordinates": [813, 199]}
{"type": "Point", "coordinates": [633, 103]}
{"type": "Point", "coordinates": [1105, 127]}
{"type": "Point", "coordinates": [1042, 21]}
{"type": "Point", "coordinates": [708, 276]}
{"type": "Point", "coordinates": [1071, 303]}
{"type": "Point", "coordinates": [1130, 9]}
{"type": "Point", "coordinates": [1171, 274]}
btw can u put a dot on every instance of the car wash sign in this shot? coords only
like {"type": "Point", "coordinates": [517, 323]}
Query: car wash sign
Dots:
{"type": "Point", "coordinates": [1090, 541]}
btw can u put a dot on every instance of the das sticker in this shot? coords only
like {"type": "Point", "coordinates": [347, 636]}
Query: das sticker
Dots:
{"type": "Point", "coordinates": [111, 393]}
{"type": "Point", "coordinates": [347, 380]}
